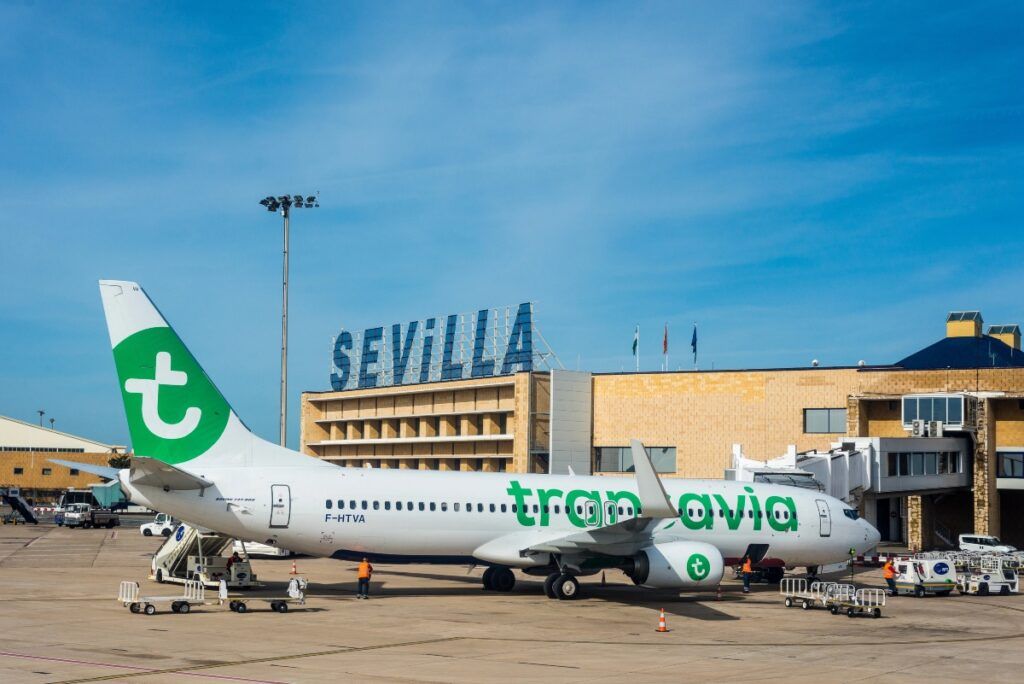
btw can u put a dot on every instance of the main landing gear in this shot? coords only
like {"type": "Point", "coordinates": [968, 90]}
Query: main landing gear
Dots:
{"type": "Point", "coordinates": [561, 586]}
{"type": "Point", "coordinates": [499, 579]}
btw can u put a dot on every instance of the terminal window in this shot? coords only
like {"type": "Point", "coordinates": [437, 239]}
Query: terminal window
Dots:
{"type": "Point", "coordinates": [1011, 464]}
{"type": "Point", "coordinates": [825, 420]}
{"type": "Point", "coordinates": [620, 459]}
{"type": "Point", "coordinates": [909, 464]}
{"type": "Point", "coordinates": [19, 471]}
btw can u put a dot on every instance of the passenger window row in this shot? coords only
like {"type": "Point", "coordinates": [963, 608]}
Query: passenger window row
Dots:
{"type": "Point", "coordinates": [694, 513]}
{"type": "Point", "coordinates": [364, 504]}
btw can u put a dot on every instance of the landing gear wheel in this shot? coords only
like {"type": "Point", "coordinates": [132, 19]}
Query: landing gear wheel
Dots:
{"type": "Point", "coordinates": [489, 579]}
{"type": "Point", "coordinates": [549, 585]}
{"type": "Point", "coordinates": [150, 609]}
{"type": "Point", "coordinates": [147, 533]}
{"type": "Point", "coordinates": [183, 608]}
{"type": "Point", "coordinates": [789, 602]}
{"type": "Point", "coordinates": [919, 591]}
{"type": "Point", "coordinates": [566, 588]}
{"type": "Point", "coordinates": [806, 605]}
{"type": "Point", "coordinates": [876, 613]}
{"type": "Point", "coordinates": [774, 575]}
{"type": "Point", "coordinates": [503, 579]}
{"type": "Point", "coordinates": [135, 608]}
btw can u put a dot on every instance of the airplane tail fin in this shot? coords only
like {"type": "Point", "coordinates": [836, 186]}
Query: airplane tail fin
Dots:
{"type": "Point", "coordinates": [174, 411]}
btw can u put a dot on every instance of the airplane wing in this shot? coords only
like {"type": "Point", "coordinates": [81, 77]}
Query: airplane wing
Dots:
{"type": "Point", "coordinates": [618, 539]}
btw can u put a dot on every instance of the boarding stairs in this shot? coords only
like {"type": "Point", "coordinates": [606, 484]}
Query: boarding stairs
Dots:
{"type": "Point", "coordinates": [12, 497]}
{"type": "Point", "coordinates": [170, 562]}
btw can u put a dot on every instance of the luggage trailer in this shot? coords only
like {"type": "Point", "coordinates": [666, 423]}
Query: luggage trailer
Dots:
{"type": "Point", "coordinates": [828, 595]}
{"type": "Point", "coordinates": [989, 575]}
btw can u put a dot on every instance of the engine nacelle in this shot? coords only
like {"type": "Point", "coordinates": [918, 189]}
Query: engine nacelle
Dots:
{"type": "Point", "coordinates": [677, 565]}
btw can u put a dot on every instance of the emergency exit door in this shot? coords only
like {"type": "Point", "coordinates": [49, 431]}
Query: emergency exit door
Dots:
{"type": "Point", "coordinates": [280, 505]}
{"type": "Point", "coordinates": [824, 517]}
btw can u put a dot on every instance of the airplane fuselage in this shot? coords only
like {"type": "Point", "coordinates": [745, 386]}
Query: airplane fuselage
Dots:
{"type": "Point", "coordinates": [425, 516]}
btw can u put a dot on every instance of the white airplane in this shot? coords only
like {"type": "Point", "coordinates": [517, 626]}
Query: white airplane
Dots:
{"type": "Point", "coordinates": [194, 459]}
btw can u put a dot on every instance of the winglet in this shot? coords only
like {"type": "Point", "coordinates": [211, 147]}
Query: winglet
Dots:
{"type": "Point", "coordinates": [654, 501]}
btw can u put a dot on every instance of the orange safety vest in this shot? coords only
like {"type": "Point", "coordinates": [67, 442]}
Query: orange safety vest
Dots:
{"type": "Point", "coordinates": [888, 571]}
{"type": "Point", "coordinates": [365, 570]}
{"type": "Point", "coordinates": [747, 566]}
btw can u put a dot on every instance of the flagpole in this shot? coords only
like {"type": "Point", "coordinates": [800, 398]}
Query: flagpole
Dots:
{"type": "Point", "coordinates": [637, 348]}
{"type": "Point", "coordinates": [695, 345]}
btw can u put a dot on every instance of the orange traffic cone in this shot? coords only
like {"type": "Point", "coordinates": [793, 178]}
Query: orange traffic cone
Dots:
{"type": "Point", "coordinates": [295, 571]}
{"type": "Point", "coordinates": [662, 627]}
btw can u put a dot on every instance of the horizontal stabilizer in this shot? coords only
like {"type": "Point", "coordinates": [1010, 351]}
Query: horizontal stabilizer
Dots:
{"type": "Point", "coordinates": [149, 472]}
{"type": "Point", "coordinates": [102, 471]}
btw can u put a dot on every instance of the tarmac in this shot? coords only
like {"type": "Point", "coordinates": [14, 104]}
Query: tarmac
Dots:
{"type": "Point", "coordinates": [61, 623]}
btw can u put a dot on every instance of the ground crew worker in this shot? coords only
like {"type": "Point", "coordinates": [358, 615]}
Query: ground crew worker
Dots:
{"type": "Point", "coordinates": [748, 570]}
{"type": "Point", "coordinates": [365, 573]}
{"type": "Point", "coordinates": [889, 573]}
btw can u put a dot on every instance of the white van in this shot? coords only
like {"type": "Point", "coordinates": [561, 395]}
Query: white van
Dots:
{"type": "Point", "coordinates": [984, 543]}
{"type": "Point", "coordinates": [920, 576]}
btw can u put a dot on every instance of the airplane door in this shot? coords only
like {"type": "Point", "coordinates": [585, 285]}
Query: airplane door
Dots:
{"type": "Point", "coordinates": [592, 514]}
{"type": "Point", "coordinates": [824, 518]}
{"type": "Point", "coordinates": [611, 512]}
{"type": "Point", "coordinates": [280, 505]}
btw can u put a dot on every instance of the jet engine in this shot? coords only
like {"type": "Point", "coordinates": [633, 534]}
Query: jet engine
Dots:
{"type": "Point", "coordinates": [676, 565]}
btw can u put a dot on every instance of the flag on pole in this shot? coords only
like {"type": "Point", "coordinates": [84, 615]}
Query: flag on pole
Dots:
{"type": "Point", "coordinates": [664, 349]}
{"type": "Point", "coordinates": [636, 343]}
{"type": "Point", "coordinates": [693, 343]}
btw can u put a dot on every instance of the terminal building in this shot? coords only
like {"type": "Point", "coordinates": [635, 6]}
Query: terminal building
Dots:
{"type": "Point", "coordinates": [940, 433]}
{"type": "Point", "coordinates": [25, 453]}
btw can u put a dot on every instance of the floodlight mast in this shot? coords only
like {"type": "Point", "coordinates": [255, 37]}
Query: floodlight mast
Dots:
{"type": "Point", "coordinates": [285, 204]}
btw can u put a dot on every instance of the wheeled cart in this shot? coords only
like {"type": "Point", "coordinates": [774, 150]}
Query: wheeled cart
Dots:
{"type": "Point", "coordinates": [296, 594]}
{"type": "Point", "coordinates": [193, 595]}
{"type": "Point", "coordinates": [862, 602]}
{"type": "Point", "coordinates": [817, 594]}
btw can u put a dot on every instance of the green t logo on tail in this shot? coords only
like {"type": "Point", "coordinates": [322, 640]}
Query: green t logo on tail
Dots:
{"type": "Point", "coordinates": [174, 411]}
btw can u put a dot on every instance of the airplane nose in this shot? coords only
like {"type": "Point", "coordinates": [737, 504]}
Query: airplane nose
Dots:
{"type": "Point", "coordinates": [871, 535]}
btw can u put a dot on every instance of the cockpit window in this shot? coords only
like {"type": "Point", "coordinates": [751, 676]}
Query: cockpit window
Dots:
{"type": "Point", "coordinates": [851, 513]}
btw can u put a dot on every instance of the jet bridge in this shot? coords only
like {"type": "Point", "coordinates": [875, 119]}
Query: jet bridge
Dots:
{"type": "Point", "coordinates": [195, 553]}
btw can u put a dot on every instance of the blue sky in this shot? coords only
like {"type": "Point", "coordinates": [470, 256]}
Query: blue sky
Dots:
{"type": "Point", "coordinates": [804, 180]}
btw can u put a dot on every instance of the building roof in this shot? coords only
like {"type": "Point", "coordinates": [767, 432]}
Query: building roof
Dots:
{"type": "Point", "coordinates": [963, 316]}
{"type": "Point", "coordinates": [17, 435]}
{"type": "Point", "coordinates": [964, 352]}
{"type": "Point", "coordinates": [1004, 329]}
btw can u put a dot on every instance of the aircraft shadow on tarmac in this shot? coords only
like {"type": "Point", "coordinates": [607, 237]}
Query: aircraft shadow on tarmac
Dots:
{"type": "Point", "coordinates": [696, 606]}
